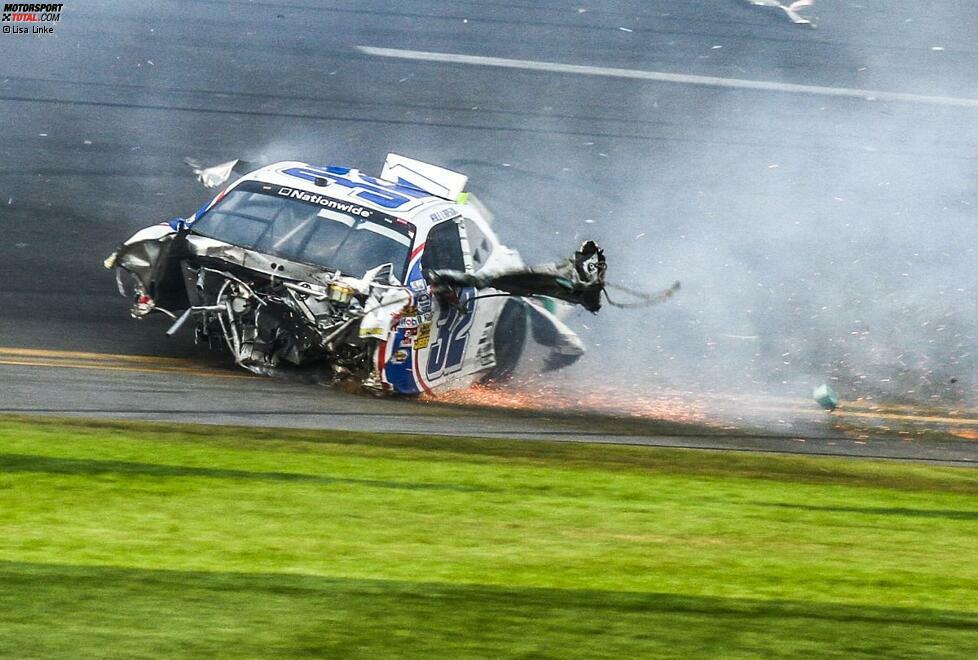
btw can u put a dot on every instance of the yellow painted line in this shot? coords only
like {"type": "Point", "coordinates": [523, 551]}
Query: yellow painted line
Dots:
{"type": "Point", "coordinates": [54, 354]}
{"type": "Point", "coordinates": [37, 357]}
{"type": "Point", "coordinates": [54, 364]}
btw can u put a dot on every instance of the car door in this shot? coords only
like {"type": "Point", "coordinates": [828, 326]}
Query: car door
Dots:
{"type": "Point", "coordinates": [451, 346]}
{"type": "Point", "coordinates": [485, 253]}
{"type": "Point", "coordinates": [442, 357]}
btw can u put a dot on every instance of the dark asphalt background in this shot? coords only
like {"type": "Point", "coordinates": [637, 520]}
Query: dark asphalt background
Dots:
{"type": "Point", "coordinates": [836, 235]}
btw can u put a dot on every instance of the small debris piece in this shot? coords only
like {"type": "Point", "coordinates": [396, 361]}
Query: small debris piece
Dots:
{"type": "Point", "coordinates": [826, 397]}
{"type": "Point", "coordinates": [791, 10]}
{"type": "Point", "coordinates": [212, 177]}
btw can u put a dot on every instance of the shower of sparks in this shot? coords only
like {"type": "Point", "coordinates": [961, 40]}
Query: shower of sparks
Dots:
{"type": "Point", "coordinates": [670, 406]}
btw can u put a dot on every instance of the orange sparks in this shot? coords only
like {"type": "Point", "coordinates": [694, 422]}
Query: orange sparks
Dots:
{"type": "Point", "coordinates": [667, 407]}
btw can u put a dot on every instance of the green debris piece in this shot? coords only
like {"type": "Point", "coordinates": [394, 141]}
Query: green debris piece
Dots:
{"type": "Point", "coordinates": [826, 397]}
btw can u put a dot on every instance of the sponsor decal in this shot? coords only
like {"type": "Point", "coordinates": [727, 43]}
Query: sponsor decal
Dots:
{"type": "Point", "coordinates": [399, 357]}
{"type": "Point", "coordinates": [375, 191]}
{"type": "Point", "coordinates": [409, 322]}
{"type": "Point", "coordinates": [486, 354]}
{"type": "Point", "coordinates": [327, 202]}
{"type": "Point", "coordinates": [419, 285]}
{"type": "Point", "coordinates": [27, 16]}
{"type": "Point", "coordinates": [423, 336]}
{"type": "Point", "coordinates": [407, 341]}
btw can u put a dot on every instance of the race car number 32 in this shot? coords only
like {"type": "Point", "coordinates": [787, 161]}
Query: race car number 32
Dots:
{"type": "Point", "coordinates": [447, 351]}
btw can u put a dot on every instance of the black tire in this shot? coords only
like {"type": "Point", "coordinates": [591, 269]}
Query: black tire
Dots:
{"type": "Point", "coordinates": [509, 338]}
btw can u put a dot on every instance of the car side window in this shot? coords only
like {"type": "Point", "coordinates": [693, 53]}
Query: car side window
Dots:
{"type": "Point", "coordinates": [443, 249]}
{"type": "Point", "coordinates": [479, 243]}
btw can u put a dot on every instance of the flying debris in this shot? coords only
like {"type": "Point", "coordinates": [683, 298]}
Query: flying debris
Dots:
{"type": "Point", "coordinates": [791, 10]}
{"type": "Point", "coordinates": [826, 397]}
{"type": "Point", "coordinates": [396, 282]}
{"type": "Point", "coordinates": [216, 175]}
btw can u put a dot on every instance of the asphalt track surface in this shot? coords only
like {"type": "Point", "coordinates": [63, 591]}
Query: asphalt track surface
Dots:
{"type": "Point", "coordinates": [97, 119]}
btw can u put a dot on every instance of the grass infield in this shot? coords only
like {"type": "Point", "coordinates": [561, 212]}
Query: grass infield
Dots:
{"type": "Point", "coordinates": [137, 539]}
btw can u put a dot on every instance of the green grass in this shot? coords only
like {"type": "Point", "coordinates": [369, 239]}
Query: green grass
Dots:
{"type": "Point", "coordinates": [148, 540]}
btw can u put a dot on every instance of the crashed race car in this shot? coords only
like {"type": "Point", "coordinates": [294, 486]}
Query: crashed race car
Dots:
{"type": "Point", "coordinates": [396, 283]}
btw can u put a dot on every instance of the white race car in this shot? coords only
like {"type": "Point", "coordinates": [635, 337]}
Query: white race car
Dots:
{"type": "Point", "coordinates": [398, 282]}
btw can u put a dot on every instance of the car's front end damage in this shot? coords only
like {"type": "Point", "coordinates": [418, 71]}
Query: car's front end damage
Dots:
{"type": "Point", "coordinates": [268, 312]}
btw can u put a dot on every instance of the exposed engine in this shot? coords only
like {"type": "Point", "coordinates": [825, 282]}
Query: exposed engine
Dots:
{"type": "Point", "coordinates": [265, 321]}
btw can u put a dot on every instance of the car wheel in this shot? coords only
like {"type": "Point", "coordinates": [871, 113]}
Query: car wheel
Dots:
{"type": "Point", "coordinates": [508, 338]}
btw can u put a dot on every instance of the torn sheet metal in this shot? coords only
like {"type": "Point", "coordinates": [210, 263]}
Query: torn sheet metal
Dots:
{"type": "Point", "coordinates": [217, 175]}
{"type": "Point", "coordinates": [578, 280]}
{"type": "Point", "coordinates": [549, 331]}
{"type": "Point", "coordinates": [382, 310]}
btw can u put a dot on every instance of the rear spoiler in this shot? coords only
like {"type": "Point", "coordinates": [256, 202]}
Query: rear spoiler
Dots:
{"type": "Point", "coordinates": [432, 179]}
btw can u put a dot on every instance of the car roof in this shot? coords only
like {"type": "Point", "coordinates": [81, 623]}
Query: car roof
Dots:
{"type": "Point", "coordinates": [400, 200]}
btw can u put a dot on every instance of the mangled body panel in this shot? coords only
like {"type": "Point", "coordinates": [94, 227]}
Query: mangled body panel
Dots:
{"type": "Point", "coordinates": [578, 280]}
{"type": "Point", "coordinates": [374, 281]}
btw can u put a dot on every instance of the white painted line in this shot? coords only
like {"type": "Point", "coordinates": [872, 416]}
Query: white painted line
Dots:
{"type": "Point", "coordinates": [661, 76]}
